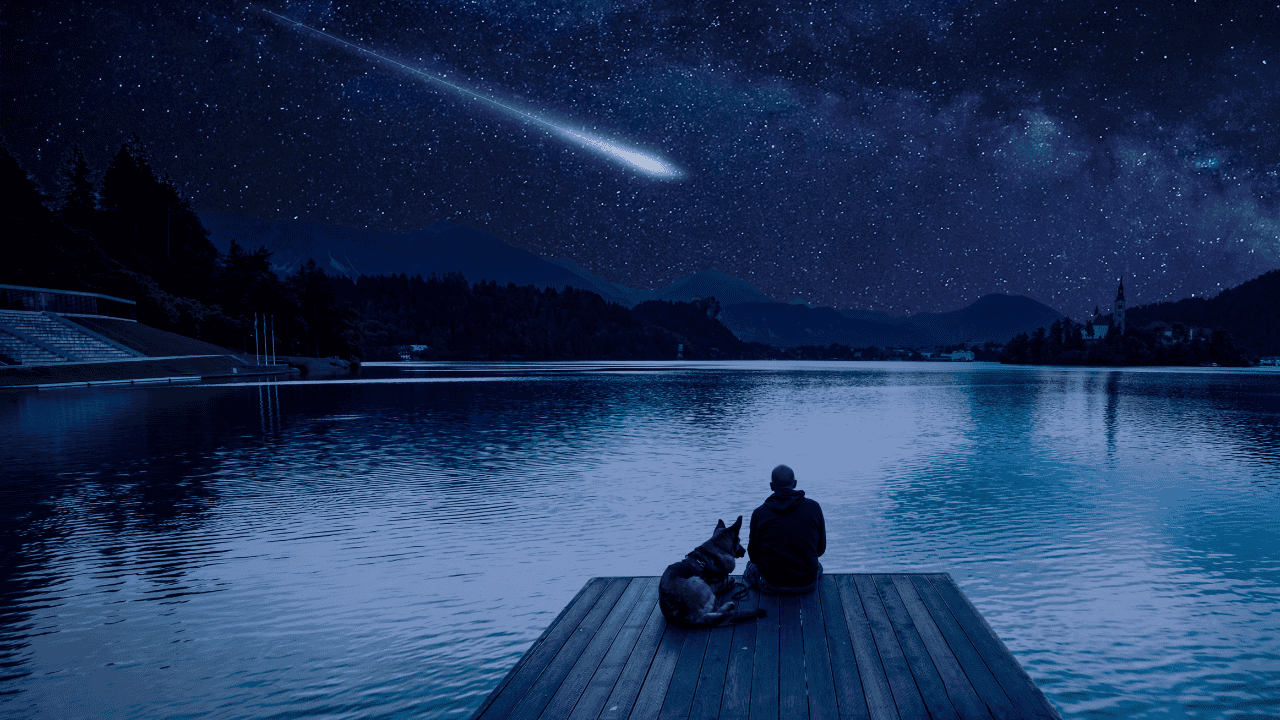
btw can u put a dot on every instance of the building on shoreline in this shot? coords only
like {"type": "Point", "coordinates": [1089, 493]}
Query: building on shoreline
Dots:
{"type": "Point", "coordinates": [1100, 326]}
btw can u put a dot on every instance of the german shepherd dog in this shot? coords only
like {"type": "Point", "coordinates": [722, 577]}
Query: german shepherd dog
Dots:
{"type": "Point", "coordinates": [688, 589]}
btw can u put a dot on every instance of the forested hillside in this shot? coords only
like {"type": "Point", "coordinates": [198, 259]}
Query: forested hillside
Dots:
{"type": "Point", "coordinates": [1249, 311]}
{"type": "Point", "coordinates": [132, 234]}
{"type": "Point", "coordinates": [449, 319]}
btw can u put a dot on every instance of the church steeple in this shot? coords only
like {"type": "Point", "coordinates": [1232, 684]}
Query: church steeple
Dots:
{"type": "Point", "coordinates": [1118, 319]}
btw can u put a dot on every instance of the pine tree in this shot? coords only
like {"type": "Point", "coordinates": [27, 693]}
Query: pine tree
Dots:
{"type": "Point", "coordinates": [151, 228]}
{"type": "Point", "coordinates": [44, 251]}
{"type": "Point", "coordinates": [77, 196]}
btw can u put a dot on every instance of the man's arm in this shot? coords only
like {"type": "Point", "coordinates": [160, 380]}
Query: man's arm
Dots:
{"type": "Point", "coordinates": [822, 531]}
{"type": "Point", "coordinates": [751, 541]}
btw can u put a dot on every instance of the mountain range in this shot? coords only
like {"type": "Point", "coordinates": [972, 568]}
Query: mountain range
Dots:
{"type": "Point", "coordinates": [446, 247]}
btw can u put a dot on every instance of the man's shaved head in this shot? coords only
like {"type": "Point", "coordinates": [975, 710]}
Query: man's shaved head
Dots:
{"type": "Point", "coordinates": [782, 478]}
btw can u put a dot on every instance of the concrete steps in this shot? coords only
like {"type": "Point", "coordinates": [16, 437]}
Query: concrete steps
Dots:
{"type": "Point", "coordinates": [37, 338]}
{"type": "Point", "coordinates": [26, 352]}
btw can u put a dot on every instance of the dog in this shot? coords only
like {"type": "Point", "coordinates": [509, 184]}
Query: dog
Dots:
{"type": "Point", "coordinates": [687, 591]}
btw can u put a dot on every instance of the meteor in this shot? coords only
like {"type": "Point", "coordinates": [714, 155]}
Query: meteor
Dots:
{"type": "Point", "coordinates": [628, 157]}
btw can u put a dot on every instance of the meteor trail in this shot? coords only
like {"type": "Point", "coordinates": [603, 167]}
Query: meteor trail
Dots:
{"type": "Point", "coordinates": [629, 157]}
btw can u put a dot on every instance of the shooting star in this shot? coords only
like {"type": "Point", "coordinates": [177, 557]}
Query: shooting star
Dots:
{"type": "Point", "coordinates": [628, 157]}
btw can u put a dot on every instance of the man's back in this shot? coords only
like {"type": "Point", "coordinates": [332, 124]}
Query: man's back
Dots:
{"type": "Point", "coordinates": [788, 535]}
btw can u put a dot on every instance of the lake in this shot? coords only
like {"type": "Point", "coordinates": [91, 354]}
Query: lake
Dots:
{"type": "Point", "coordinates": [388, 546]}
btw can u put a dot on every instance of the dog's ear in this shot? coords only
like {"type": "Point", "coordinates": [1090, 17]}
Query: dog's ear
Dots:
{"type": "Point", "coordinates": [719, 524]}
{"type": "Point", "coordinates": [736, 526]}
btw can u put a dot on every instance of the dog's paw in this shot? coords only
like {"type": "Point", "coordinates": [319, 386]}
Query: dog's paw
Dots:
{"type": "Point", "coordinates": [730, 606]}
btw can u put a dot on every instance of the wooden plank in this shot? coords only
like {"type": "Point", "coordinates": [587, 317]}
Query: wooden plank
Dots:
{"type": "Point", "coordinates": [764, 672]}
{"type": "Point", "coordinates": [905, 694]}
{"type": "Point", "coordinates": [623, 696]}
{"type": "Point", "coordinates": [684, 680]}
{"type": "Point", "coordinates": [928, 681]}
{"type": "Point", "coordinates": [963, 696]}
{"type": "Point", "coordinates": [575, 683]}
{"type": "Point", "coordinates": [654, 691]}
{"type": "Point", "coordinates": [793, 704]}
{"type": "Point", "coordinates": [513, 687]}
{"type": "Point", "coordinates": [817, 659]}
{"type": "Point", "coordinates": [711, 680]}
{"type": "Point", "coordinates": [606, 675]}
{"type": "Point", "coordinates": [871, 671]}
{"type": "Point", "coordinates": [1015, 681]}
{"type": "Point", "coordinates": [736, 701]}
{"type": "Point", "coordinates": [844, 666]}
{"type": "Point", "coordinates": [536, 699]}
{"type": "Point", "coordinates": [975, 669]}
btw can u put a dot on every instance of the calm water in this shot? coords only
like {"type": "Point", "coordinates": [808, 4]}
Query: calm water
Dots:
{"type": "Point", "coordinates": [389, 547]}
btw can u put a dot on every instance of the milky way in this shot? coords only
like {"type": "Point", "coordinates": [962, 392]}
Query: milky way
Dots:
{"type": "Point", "coordinates": [892, 156]}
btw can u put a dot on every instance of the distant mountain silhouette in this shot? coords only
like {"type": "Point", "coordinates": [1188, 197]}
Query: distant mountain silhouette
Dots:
{"type": "Point", "coordinates": [991, 318]}
{"type": "Point", "coordinates": [784, 325]}
{"type": "Point", "coordinates": [442, 248]}
{"type": "Point", "coordinates": [874, 316]}
{"type": "Point", "coordinates": [628, 296]}
{"type": "Point", "coordinates": [711, 283]}
{"type": "Point", "coordinates": [994, 318]}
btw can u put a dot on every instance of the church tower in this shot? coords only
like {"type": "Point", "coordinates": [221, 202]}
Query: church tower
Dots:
{"type": "Point", "coordinates": [1118, 319]}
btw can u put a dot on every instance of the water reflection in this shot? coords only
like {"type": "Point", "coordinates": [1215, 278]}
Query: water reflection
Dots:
{"type": "Point", "coordinates": [391, 545]}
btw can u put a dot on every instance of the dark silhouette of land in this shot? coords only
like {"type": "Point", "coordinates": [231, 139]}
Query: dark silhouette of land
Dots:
{"type": "Point", "coordinates": [1063, 344]}
{"type": "Point", "coordinates": [1250, 312]}
{"type": "Point", "coordinates": [132, 234]}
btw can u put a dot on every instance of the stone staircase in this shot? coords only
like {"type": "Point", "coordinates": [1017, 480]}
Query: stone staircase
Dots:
{"type": "Point", "coordinates": [39, 338]}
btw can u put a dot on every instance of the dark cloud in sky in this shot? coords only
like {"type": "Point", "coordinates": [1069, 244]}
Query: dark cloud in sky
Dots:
{"type": "Point", "coordinates": [888, 155]}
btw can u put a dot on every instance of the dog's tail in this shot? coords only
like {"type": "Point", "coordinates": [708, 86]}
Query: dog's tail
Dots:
{"type": "Point", "coordinates": [738, 616]}
{"type": "Point", "coordinates": [728, 616]}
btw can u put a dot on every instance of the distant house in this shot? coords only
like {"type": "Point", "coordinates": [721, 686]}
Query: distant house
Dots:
{"type": "Point", "coordinates": [1161, 329]}
{"type": "Point", "coordinates": [1096, 330]}
{"type": "Point", "coordinates": [962, 356]}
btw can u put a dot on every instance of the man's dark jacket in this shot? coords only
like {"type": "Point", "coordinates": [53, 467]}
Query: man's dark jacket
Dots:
{"type": "Point", "coordinates": [788, 535]}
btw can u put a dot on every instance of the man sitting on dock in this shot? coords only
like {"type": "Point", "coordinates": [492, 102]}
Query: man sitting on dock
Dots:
{"type": "Point", "coordinates": [788, 535]}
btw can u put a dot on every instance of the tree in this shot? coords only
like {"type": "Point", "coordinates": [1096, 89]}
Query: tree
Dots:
{"type": "Point", "coordinates": [47, 253]}
{"type": "Point", "coordinates": [328, 328]}
{"type": "Point", "coordinates": [77, 196]}
{"type": "Point", "coordinates": [151, 228]}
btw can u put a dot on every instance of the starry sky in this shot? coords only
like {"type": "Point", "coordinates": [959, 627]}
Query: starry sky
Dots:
{"type": "Point", "coordinates": [901, 155]}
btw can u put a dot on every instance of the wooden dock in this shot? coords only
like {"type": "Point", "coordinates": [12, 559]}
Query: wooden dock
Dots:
{"type": "Point", "coordinates": [862, 646]}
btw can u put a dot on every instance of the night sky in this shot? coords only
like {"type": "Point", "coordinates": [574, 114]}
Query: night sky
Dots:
{"type": "Point", "coordinates": [903, 156]}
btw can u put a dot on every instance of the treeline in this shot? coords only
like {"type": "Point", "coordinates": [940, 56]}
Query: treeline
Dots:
{"type": "Point", "coordinates": [1063, 343]}
{"type": "Point", "coordinates": [132, 234]}
{"type": "Point", "coordinates": [451, 319]}
{"type": "Point", "coordinates": [1249, 311]}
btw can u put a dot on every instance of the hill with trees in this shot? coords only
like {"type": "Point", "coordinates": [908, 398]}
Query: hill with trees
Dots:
{"type": "Point", "coordinates": [1232, 329]}
{"type": "Point", "coordinates": [1063, 343]}
{"type": "Point", "coordinates": [132, 234]}
{"type": "Point", "coordinates": [450, 319]}
{"type": "Point", "coordinates": [1249, 311]}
